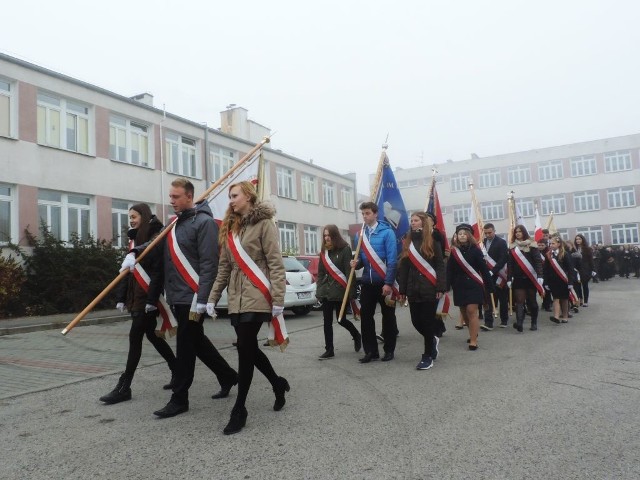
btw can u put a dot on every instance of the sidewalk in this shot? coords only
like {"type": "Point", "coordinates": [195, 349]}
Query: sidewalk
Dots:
{"type": "Point", "coordinates": [12, 326]}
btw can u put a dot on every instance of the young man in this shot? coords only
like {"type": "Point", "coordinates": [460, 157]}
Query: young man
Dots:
{"type": "Point", "coordinates": [378, 256]}
{"type": "Point", "coordinates": [498, 253]}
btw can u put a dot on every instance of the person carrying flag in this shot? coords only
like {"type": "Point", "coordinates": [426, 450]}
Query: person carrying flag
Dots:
{"type": "Point", "coordinates": [497, 253]}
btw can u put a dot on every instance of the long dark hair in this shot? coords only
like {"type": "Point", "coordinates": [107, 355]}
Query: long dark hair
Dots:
{"type": "Point", "coordinates": [143, 235]}
{"type": "Point", "coordinates": [337, 242]}
{"type": "Point", "coordinates": [523, 229]}
{"type": "Point", "coordinates": [585, 249]}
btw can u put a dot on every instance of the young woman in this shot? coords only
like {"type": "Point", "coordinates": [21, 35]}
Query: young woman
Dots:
{"type": "Point", "coordinates": [141, 301]}
{"type": "Point", "coordinates": [422, 281]}
{"type": "Point", "coordinates": [249, 233]}
{"type": "Point", "coordinates": [524, 269]}
{"type": "Point", "coordinates": [333, 273]}
{"type": "Point", "coordinates": [468, 276]}
{"type": "Point", "coordinates": [558, 275]}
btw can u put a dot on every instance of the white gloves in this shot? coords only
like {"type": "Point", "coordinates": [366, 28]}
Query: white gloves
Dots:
{"type": "Point", "coordinates": [570, 287]}
{"type": "Point", "coordinates": [509, 284]}
{"type": "Point", "coordinates": [120, 306]}
{"type": "Point", "coordinates": [128, 262]}
{"type": "Point", "coordinates": [211, 311]}
{"type": "Point", "coordinates": [540, 282]}
{"type": "Point", "coordinates": [149, 308]}
{"type": "Point", "coordinates": [593, 274]}
{"type": "Point", "coordinates": [201, 308]}
{"type": "Point", "coordinates": [276, 311]}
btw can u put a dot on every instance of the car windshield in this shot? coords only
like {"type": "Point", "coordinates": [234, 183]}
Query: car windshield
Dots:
{"type": "Point", "coordinates": [293, 265]}
{"type": "Point", "coordinates": [305, 262]}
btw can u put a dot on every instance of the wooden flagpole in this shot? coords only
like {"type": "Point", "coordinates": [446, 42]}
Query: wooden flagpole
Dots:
{"type": "Point", "coordinates": [512, 221]}
{"type": "Point", "coordinates": [160, 236]}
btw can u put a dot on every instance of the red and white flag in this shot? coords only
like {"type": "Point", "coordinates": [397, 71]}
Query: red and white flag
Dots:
{"type": "Point", "coordinates": [473, 221]}
{"type": "Point", "coordinates": [537, 235]}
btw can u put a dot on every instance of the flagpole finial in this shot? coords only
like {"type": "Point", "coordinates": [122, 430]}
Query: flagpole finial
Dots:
{"type": "Point", "coordinates": [470, 183]}
{"type": "Point", "coordinates": [434, 171]}
{"type": "Point", "coordinates": [266, 139]}
{"type": "Point", "coordinates": [385, 144]}
{"type": "Point", "coordinates": [510, 195]}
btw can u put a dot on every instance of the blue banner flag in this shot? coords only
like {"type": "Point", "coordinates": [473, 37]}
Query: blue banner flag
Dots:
{"type": "Point", "coordinates": [390, 204]}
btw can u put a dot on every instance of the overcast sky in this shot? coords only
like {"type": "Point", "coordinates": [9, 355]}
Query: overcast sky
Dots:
{"type": "Point", "coordinates": [442, 78]}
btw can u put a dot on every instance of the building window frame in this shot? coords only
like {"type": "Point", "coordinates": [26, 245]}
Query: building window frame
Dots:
{"type": "Point", "coordinates": [288, 233]}
{"type": "Point", "coordinates": [348, 200]}
{"type": "Point", "coordinates": [617, 161]}
{"type": "Point", "coordinates": [583, 166]}
{"type": "Point", "coordinates": [8, 108]}
{"type": "Point", "coordinates": [556, 204]}
{"type": "Point", "coordinates": [489, 178]}
{"type": "Point", "coordinates": [588, 201]}
{"type": "Point", "coordinates": [492, 210]}
{"type": "Point", "coordinates": [550, 170]}
{"type": "Point", "coordinates": [461, 213]}
{"type": "Point", "coordinates": [221, 160]}
{"type": "Point", "coordinates": [526, 206]}
{"type": "Point", "coordinates": [8, 214]}
{"type": "Point", "coordinates": [329, 194]}
{"type": "Point", "coordinates": [311, 240]}
{"type": "Point", "coordinates": [181, 155]}
{"type": "Point", "coordinates": [68, 212]}
{"type": "Point", "coordinates": [129, 141]}
{"type": "Point", "coordinates": [594, 235]}
{"type": "Point", "coordinates": [621, 197]}
{"type": "Point", "coordinates": [519, 174]}
{"type": "Point", "coordinates": [625, 234]}
{"type": "Point", "coordinates": [286, 182]}
{"type": "Point", "coordinates": [459, 182]}
{"type": "Point", "coordinates": [64, 123]}
{"type": "Point", "coordinates": [120, 222]}
{"type": "Point", "coordinates": [309, 187]}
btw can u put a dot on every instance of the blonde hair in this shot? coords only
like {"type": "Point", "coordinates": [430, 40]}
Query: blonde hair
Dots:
{"type": "Point", "coordinates": [232, 221]}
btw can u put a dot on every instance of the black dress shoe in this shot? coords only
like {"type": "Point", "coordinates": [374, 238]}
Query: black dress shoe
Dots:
{"type": "Point", "coordinates": [387, 357]}
{"type": "Point", "coordinates": [237, 421]}
{"type": "Point", "coordinates": [171, 410]}
{"type": "Point", "coordinates": [368, 357]}
{"type": "Point", "coordinates": [224, 390]}
{"type": "Point", "coordinates": [280, 387]}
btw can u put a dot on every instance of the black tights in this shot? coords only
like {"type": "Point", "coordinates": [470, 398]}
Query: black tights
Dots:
{"type": "Point", "coordinates": [528, 295]}
{"type": "Point", "coordinates": [328, 307]}
{"type": "Point", "coordinates": [141, 324]}
{"type": "Point", "coordinates": [250, 355]}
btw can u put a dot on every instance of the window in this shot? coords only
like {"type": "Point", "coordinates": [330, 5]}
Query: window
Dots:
{"type": "Point", "coordinates": [556, 204]}
{"type": "Point", "coordinates": [6, 218]}
{"type": "Point", "coordinates": [617, 161]}
{"type": "Point", "coordinates": [128, 141]}
{"type": "Point", "coordinates": [347, 199]}
{"type": "Point", "coordinates": [221, 160]}
{"type": "Point", "coordinates": [551, 170]}
{"type": "Point", "coordinates": [563, 233]}
{"type": "Point", "coordinates": [63, 123]}
{"type": "Point", "coordinates": [621, 197]}
{"type": "Point", "coordinates": [519, 174]}
{"type": "Point", "coordinates": [414, 182]}
{"type": "Point", "coordinates": [120, 222]}
{"type": "Point", "coordinates": [625, 233]}
{"type": "Point", "coordinates": [180, 154]}
{"type": "Point", "coordinates": [311, 240]}
{"type": "Point", "coordinates": [460, 182]}
{"type": "Point", "coordinates": [288, 242]}
{"type": "Point", "coordinates": [285, 182]}
{"type": "Point", "coordinates": [328, 194]}
{"type": "Point", "coordinates": [309, 189]}
{"type": "Point", "coordinates": [492, 210]}
{"type": "Point", "coordinates": [592, 234]}
{"type": "Point", "coordinates": [586, 201]}
{"type": "Point", "coordinates": [585, 165]}
{"type": "Point", "coordinates": [65, 214]}
{"type": "Point", "coordinates": [489, 178]}
{"type": "Point", "coordinates": [461, 213]}
{"type": "Point", "coordinates": [526, 207]}
{"type": "Point", "coordinates": [6, 108]}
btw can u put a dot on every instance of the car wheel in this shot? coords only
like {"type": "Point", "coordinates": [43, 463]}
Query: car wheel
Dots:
{"type": "Point", "coordinates": [317, 306]}
{"type": "Point", "coordinates": [301, 310]}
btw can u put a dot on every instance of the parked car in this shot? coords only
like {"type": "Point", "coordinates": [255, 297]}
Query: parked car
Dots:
{"type": "Point", "coordinates": [314, 260]}
{"type": "Point", "coordinates": [300, 295]}
{"type": "Point", "coordinates": [310, 262]}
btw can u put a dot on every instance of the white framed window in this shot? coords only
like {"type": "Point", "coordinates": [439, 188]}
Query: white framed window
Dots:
{"type": "Point", "coordinates": [286, 184]}
{"type": "Point", "coordinates": [582, 166]}
{"type": "Point", "coordinates": [594, 235]}
{"type": "Point", "coordinates": [551, 170]}
{"type": "Point", "coordinates": [461, 213]}
{"type": "Point", "coordinates": [65, 214]}
{"type": "Point", "coordinates": [7, 108]}
{"type": "Point", "coordinates": [526, 206]}
{"type": "Point", "coordinates": [181, 155]}
{"type": "Point", "coordinates": [328, 194]}
{"type": "Point", "coordinates": [586, 201]}
{"type": "Point", "coordinates": [621, 197]}
{"type": "Point", "coordinates": [624, 233]}
{"type": "Point", "coordinates": [63, 123]}
{"type": "Point", "coordinates": [128, 141]}
{"type": "Point", "coordinates": [120, 222]}
{"type": "Point", "coordinates": [288, 237]}
{"type": "Point", "coordinates": [309, 187]}
{"type": "Point", "coordinates": [617, 161]}
{"type": "Point", "coordinates": [563, 233]}
{"type": "Point", "coordinates": [221, 160]}
{"type": "Point", "coordinates": [7, 214]}
{"type": "Point", "coordinates": [413, 182]}
{"type": "Point", "coordinates": [519, 174]}
{"type": "Point", "coordinates": [459, 182]}
{"type": "Point", "coordinates": [553, 203]}
{"type": "Point", "coordinates": [347, 199]}
{"type": "Point", "coordinates": [311, 240]}
{"type": "Point", "coordinates": [489, 178]}
{"type": "Point", "coordinates": [492, 210]}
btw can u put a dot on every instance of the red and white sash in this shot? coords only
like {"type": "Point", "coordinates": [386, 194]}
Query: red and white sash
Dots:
{"type": "Point", "coordinates": [422, 265]}
{"type": "Point", "coordinates": [376, 262]}
{"type": "Point", "coordinates": [443, 305]}
{"type": "Point", "coordinates": [491, 263]}
{"type": "Point", "coordinates": [527, 268]}
{"type": "Point", "coordinates": [563, 275]}
{"type": "Point", "coordinates": [332, 270]}
{"type": "Point", "coordinates": [457, 254]}
{"type": "Point", "coordinates": [169, 322]}
{"type": "Point", "coordinates": [187, 272]}
{"type": "Point", "coordinates": [277, 330]}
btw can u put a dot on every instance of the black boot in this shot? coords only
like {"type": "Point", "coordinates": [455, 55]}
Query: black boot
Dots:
{"type": "Point", "coordinates": [328, 353]}
{"type": "Point", "coordinates": [357, 341]}
{"type": "Point", "coordinates": [120, 393]}
{"type": "Point", "coordinates": [519, 317]}
{"type": "Point", "coordinates": [237, 421]}
{"type": "Point", "coordinates": [534, 325]}
{"type": "Point", "coordinates": [279, 388]}
{"type": "Point", "coordinates": [172, 382]}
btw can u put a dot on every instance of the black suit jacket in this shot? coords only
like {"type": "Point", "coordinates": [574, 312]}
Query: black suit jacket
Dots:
{"type": "Point", "coordinates": [499, 252]}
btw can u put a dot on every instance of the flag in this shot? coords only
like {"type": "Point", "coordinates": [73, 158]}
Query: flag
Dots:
{"type": "Point", "coordinates": [475, 224]}
{"type": "Point", "coordinates": [433, 208]}
{"type": "Point", "coordinates": [390, 204]}
{"type": "Point", "coordinates": [475, 217]}
{"type": "Point", "coordinates": [537, 235]}
{"type": "Point", "coordinates": [519, 217]}
{"type": "Point", "coordinates": [551, 226]}
{"type": "Point", "coordinates": [219, 198]}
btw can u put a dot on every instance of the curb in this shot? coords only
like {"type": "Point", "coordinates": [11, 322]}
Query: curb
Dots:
{"type": "Point", "coordinates": [61, 325]}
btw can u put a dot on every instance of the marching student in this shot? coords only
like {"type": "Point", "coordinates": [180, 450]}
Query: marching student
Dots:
{"type": "Point", "coordinates": [421, 280]}
{"type": "Point", "coordinates": [468, 276]}
{"type": "Point", "coordinates": [440, 241]}
{"type": "Point", "coordinates": [252, 270]}
{"type": "Point", "coordinates": [558, 275]}
{"type": "Point", "coordinates": [496, 257]}
{"type": "Point", "coordinates": [333, 272]}
{"type": "Point", "coordinates": [525, 274]}
{"type": "Point", "coordinates": [140, 293]}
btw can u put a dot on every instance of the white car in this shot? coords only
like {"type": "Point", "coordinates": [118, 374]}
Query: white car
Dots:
{"type": "Point", "coordinates": [300, 295]}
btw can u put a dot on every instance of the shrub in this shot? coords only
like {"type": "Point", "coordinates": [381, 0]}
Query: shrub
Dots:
{"type": "Point", "coordinates": [12, 277]}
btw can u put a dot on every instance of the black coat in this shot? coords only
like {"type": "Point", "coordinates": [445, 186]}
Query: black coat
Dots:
{"type": "Point", "coordinates": [499, 252]}
{"type": "Point", "coordinates": [559, 288]}
{"type": "Point", "coordinates": [516, 274]}
{"type": "Point", "coordinates": [414, 284]}
{"type": "Point", "coordinates": [466, 291]}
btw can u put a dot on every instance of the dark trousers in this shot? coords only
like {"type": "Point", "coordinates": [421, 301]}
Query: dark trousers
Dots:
{"type": "Point", "coordinates": [501, 296]}
{"type": "Point", "coordinates": [371, 295]}
{"type": "Point", "coordinates": [423, 317]}
{"type": "Point", "coordinates": [192, 343]}
{"type": "Point", "coordinates": [328, 309]}
{"type": "Point", "coordinates": [584, 287]}
{"type": "Point", "coordinates": [145, 324]}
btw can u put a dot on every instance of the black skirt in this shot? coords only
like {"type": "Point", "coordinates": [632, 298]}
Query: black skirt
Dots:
{"type": "Point", "coordinates": [248, 317]}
